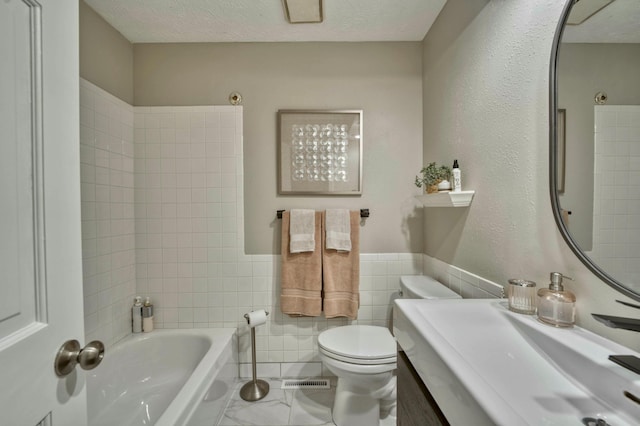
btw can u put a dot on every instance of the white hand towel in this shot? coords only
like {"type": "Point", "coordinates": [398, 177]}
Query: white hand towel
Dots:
{"type": "Point", "coordinates": [338, 230]}
{"type": "Point", "coordinates": [302, 230]}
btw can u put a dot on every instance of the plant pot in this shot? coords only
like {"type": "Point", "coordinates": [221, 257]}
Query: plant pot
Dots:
{"type": "Point", "coordinates": [444, 185]}
{"type": "Point", "coordinates": [432, 188]}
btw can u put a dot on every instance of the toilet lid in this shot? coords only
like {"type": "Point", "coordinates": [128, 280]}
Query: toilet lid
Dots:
{"type": "Point", "coordinates": [366, 342]}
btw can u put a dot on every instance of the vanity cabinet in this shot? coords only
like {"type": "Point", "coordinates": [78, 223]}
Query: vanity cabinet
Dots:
{"type": "Point", "coordinates": [416, 406]}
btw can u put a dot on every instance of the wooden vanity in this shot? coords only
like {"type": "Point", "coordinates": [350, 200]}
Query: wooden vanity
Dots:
{"type": "Point", "coordinates": [416, 406]}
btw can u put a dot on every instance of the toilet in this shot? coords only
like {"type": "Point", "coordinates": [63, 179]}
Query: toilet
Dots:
{"type": "Point", "coordinates": [363, 357]}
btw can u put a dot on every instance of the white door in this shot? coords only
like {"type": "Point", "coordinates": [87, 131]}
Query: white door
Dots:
{"type": "Point", "coordinates": [40, 241]}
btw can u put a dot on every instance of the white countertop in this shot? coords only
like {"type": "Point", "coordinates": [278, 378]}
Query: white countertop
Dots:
{"type": "Point", "coordinates": [487, 365]}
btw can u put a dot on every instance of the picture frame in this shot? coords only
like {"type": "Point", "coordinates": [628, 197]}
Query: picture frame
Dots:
{"type": "Point", "coordinates": [562, 149]}
{"type": "Point", "coordinates": [320, 152]}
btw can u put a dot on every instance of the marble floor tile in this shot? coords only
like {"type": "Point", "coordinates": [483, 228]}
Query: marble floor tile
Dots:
{"type": "Point", "coordinates": [273, 409]}
{"type": "Point", "coordinates": [311, 407]}
{"type": "Point", "coordinates": [292, 407]}
{"type": "Point", "coordinates": [209, 411]}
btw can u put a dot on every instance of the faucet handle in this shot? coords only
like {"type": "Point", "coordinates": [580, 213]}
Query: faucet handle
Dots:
{"type": "Point", "coordinates": [632, 305]}
{"type": "Point", "coordinates": [632, 324]}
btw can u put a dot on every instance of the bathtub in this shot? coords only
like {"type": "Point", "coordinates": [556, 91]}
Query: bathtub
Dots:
{"type": "Point", "coordinates": [162, 377]}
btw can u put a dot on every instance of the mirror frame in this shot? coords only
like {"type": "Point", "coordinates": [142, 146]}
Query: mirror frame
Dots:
{"type": "Point", "coordinates": [553, 163]}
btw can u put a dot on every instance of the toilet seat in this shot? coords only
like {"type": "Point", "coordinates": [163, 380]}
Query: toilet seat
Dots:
{"type": "Point", "coordinates": [358, 361]}
{"type": "Point", "coordinates": [359, 369]}
{"type": "Point", "coordinates": [359, 344]}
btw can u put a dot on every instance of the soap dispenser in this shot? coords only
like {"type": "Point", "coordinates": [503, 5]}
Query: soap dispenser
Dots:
{"type": "Point", "coordinates": [136, 315]}
{"type": "Point", "coordinates": [557, 306]}
{"type": "Point", "coordinates": [147, 316]}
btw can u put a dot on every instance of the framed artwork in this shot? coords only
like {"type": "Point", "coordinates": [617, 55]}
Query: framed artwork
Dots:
{"type": "Point", "coordinates": [562, 149]}
{"type": "Point", "coordinates": [320, 152]}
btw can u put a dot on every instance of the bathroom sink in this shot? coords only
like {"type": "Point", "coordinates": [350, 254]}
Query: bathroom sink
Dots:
{"type": "Point", "coordinates": [487, 365]}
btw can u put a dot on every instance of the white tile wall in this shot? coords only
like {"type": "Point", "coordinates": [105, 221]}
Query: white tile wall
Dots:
{"type": "Point", "coordinates": [108, 239]}
{"type": "Point", "coordinates": [189, 221]}
{"type": "Point", "coordinates": [186, 197]}
{"type": "Point", "coordinates": [616, 222]}
{"type": "Point", "coordinates": [469, 285]}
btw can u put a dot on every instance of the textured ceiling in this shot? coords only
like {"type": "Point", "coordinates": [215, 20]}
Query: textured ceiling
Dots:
{"type": "Point", "coordinates": [176, 21]}
{"type": "Point", "coordinates": [616, 23]}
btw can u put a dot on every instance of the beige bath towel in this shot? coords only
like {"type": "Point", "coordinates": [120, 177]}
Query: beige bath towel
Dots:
{"type": "Point", "coordinates": [301, 292]}
{"type": "Point", "coordinates": [341, 275]}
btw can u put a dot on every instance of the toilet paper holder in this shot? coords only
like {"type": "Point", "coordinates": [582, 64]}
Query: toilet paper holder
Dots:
{"type": "Point", "coordinates": [256, 389]}
{"type": "Point", "coordinates": [246, 316]}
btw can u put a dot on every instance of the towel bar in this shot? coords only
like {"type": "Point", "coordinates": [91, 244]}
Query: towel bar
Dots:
{"type": "Point", "coordinates": [363, 213]}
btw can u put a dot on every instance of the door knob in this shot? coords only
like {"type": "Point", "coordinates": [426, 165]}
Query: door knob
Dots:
{"type": "Point", "coordinates": [70, 354]}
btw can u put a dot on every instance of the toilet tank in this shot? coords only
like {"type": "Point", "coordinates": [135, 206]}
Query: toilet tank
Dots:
{"type": "Point", "coordinates": [424, 287]}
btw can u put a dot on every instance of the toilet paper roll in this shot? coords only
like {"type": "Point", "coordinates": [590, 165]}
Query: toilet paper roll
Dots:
{"type": "Point", "coordinates": [256, 318]}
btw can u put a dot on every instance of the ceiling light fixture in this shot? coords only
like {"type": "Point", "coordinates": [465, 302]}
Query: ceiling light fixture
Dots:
{"type": "Point", "coordinates": [585, 9]}
{"type": "Point", "coordinates": [303, 11]}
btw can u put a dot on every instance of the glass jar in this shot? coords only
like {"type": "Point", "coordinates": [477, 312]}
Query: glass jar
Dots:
{"type": "Point", "coordinates": [522, 296]}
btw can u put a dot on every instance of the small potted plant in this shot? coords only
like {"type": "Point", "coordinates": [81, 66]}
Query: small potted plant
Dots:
{"type": "Point", "coordinates": [432, 175]}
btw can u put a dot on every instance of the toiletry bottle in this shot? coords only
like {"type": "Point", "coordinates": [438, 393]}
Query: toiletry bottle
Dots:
{"type": "Point", "coordinates": [457, 177]}
{"type": "Point", "coordinates": [557, 306]}
{"type": "Point", "coordinates": [147, 316]}
{"type": "Point", "coordinates": [136, 315]}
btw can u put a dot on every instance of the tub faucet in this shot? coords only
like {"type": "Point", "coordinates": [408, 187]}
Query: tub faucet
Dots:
{"type": "Point", "coordinates": [632, 324]}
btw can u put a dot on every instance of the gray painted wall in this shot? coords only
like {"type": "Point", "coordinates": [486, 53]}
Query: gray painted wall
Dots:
{"type": "Point", "coordinates": [383, 79]}
{"type": "Point", "coordinates": [106, 57]}
{"type": "Point", "coordinates": [583, 71]}
{"type": "Point", "coordinates": [486, 103]}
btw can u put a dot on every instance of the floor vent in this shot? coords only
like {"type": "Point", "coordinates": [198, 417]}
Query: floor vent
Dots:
{"type": "Point", "coordinates": [305, 384]}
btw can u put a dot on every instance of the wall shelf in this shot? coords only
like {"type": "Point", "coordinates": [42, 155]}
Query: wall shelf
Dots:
{"type": "Point", "coordinates": [447, 199]}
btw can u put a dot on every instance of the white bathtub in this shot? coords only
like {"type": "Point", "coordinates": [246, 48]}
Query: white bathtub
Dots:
{"type": "Point", "coordinates": [161, 377]}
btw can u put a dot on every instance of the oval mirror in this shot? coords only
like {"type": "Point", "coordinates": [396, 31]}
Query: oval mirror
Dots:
{"type": "Point", "coordinates": [595, 137]}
